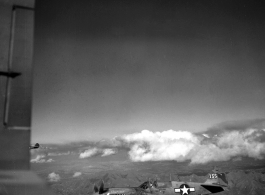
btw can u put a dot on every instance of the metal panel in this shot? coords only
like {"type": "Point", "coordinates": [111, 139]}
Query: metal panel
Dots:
{"type": "Point", "coordinates": [19, 89]}
{"type": "Point", "coordinates": [5, 21]}
{"type": "Point", "coordinates": [14, 150]}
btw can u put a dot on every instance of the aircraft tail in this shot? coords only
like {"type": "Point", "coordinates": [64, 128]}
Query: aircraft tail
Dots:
{"type": "Point", "coordinates": [96, 189]}
{"type": "Point", "coordinates": [217, 177]}
{"type": "Point", "coordinates": [100, 189]}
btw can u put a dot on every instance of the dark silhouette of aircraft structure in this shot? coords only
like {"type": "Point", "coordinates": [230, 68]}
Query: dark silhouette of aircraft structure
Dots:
{"type": "Point", "coordinates": [215, 183]}
{"type": "Point", "coordinates": [37, 145]}
{"type": "Point", "coordinates": [10, 74]}
{"type": "Point", "coordinates": [144, 188]}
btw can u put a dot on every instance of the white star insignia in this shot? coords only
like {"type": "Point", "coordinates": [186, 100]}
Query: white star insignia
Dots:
{"type": "Point", "coordinates": [184, 190]}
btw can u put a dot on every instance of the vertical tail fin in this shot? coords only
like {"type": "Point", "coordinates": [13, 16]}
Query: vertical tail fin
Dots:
{"type": "Point", "coordinates": [216, 177]}
{"type": "Point", "coordinates": [95, 189]}
{"type": "Point", "coordinates": [101, 188]}
{"type": "Point", "coordinates": [222, 179]}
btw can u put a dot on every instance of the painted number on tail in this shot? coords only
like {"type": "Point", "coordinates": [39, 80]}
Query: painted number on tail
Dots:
{"type": "Point", "coordinates": [213, 176]}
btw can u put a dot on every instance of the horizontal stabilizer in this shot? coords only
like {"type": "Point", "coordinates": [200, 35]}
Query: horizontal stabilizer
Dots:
{"type": "Point", "coordinates": [213, 189]}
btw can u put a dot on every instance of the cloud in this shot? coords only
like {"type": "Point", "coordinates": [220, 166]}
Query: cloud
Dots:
{"type": "Point", "coordinates": [205, 135]}
{"type": "Point", "coordinates": [89, 153]}
{"type": "Point", "coordinates": [53, 177]}
{"type": "Point", "coordinates": [239, 158]}
{"type": "Point", "coordinates": [97, 151]}
{"type": "Point", "coordinates": [41, 159]}
{"type": "Point", "coordinates": [59, 153]}
{"type": "Point", "coordinates": [49, 160]}
{"type": "Point", "coordinates": [77, 174]}
{"type": "Point", "coordinates": [108, 151]}
{"type": "Point", "coordinates": [184, 145]}
{"type": "Point", "coordinates": [166, 145]}
{"type": "Point", "coordinates": [38, 159]}
{"type": "Point", "coordinates": [222, 142]}
{"type": "Point", "coordinates": [239, 125]}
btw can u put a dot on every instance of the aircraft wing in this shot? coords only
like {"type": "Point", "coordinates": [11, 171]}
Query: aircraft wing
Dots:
{"type": "Point", "coordinates": [212, 188]}
{"type": "Point", "coordinates": [140, 191]}
{"type": "Point", "coordinates": [118, 191]}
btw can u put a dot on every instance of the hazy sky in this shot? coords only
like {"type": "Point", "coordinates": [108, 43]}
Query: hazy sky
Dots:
{"type": "Point", "coordinates": [106, 68]}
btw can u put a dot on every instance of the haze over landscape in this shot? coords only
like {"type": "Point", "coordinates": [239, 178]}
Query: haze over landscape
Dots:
{"type": "Point", "coordinates": [128, 90]}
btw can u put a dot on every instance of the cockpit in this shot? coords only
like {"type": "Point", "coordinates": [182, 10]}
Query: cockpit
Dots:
{"type": "Point", "coordinates": [144, 185]}
{"type": "Point", "coordinates": [148, 184]}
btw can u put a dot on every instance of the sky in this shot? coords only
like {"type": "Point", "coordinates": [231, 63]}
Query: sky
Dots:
{"type": "Point", "coordinates": [108, 68]}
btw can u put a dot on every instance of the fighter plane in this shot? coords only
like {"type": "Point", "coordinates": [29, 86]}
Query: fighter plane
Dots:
{"type": "Point", "coordinates": [215, 183]}
{"type": "Point", "coordinates": [37, 145]}
{"type": "Point", "coordinates": [143, 189]}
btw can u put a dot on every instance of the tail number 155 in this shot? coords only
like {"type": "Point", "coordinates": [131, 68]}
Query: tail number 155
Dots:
{"type": "Point", "coordinates": [213, 176]}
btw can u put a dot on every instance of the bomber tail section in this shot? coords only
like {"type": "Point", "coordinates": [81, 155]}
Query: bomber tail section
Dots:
{"type": "Point", "coordinates": [100, 189]}
{"type": "Point", "coordinates": [217, 177]}
{"type": "Point", "coordinates": [216, 181]}
{"type": "Point", "coordinates": [96, 190]}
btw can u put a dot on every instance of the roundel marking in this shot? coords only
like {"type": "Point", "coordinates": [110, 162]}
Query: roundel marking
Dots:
{"type": "Point", "coordinates": [184, 189]}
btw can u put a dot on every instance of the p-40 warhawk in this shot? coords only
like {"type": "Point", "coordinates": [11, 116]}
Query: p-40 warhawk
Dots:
{"type": "Point", "coordinates": [215, 183]}
{"type": "Point", "coordinates": [143, 189]}
{"type": "Point", "coordinates": [34, 146]}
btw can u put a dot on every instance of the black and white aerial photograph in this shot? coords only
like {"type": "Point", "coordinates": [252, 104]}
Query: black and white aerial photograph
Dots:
{"type": "Point", "coordinates": [132, 97]}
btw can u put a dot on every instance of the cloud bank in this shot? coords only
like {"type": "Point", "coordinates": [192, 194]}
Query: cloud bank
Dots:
{"type": "Point", "coordinates": [198, 148]}
{"type": "Point", "coordinates": [230, 140]}
{"type": "Point", "coordinates": [53, 177]}
{"type": "Point", "coordinates": [41, 159]}
{"type": "Point", "coordinates": [89, 153]}
{"type": "Point", "coordinates": [108, 151]}
{"type": "Point", "coordinates": [97, 151]}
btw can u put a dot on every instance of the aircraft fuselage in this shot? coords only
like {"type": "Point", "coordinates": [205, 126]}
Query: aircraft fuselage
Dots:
{"type": "Point", "coordinates": [186, 188]}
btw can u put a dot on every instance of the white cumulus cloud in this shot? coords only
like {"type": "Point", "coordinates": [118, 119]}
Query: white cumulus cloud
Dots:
{"type": "Point", "coordinates": [41, 159]}
{"type": "Point", "coordinates": [184, 145]}
{"type": "Point", "coordinates": [77, 174]}
{"type": "Point", "coordinates": [89, 152]}
{"type": "Point", "coordinates": [108, 151]}
{"type": "Point", "coordinates": [49, 160]}
{"type": "Point", "coordinates": [53, 177]}
{"type": "Point", "coordinates": [166, 145]}
{"type": "Point", "coordinates": [38, 159]}
{"type": "Point", "coordinates": [205, 135]}
{"type": "Point", "coordinates": [97, 151]}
